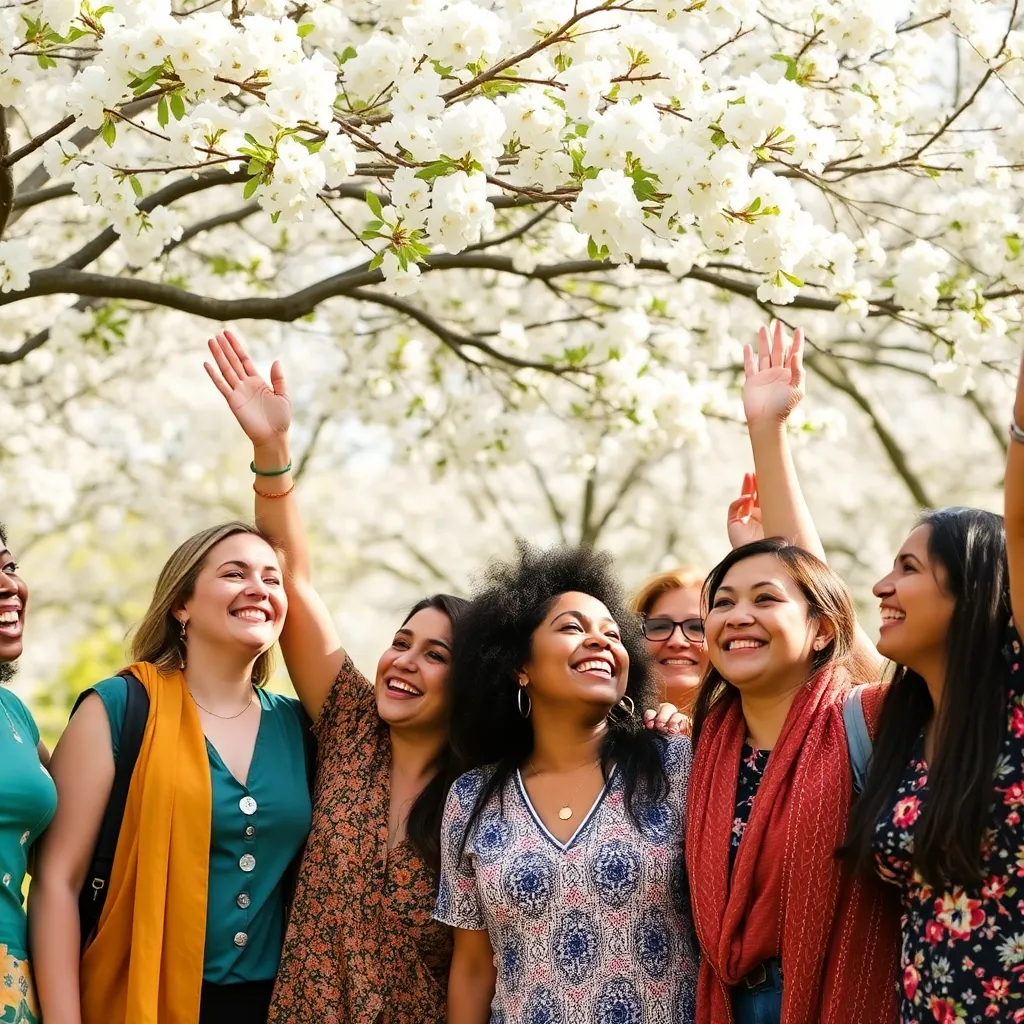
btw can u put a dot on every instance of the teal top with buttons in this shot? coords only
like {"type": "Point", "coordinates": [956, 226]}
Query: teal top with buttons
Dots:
{"type": "Point", "coordinates": [256, 832]}
{"type": "Point", "coordinates": [28, 800]}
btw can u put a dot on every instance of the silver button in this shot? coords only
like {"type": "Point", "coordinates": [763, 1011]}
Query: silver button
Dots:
{"type": "Point", "coordinates": [243, 900]}
{"type": "Point", "coordinates": [247, 805]}
{"type": "Point", "coordinates": [241, 939]}
{"type": "Point", "coordinates": [247, 862]}
{"type": "Point", "coordinates": [250, 831]}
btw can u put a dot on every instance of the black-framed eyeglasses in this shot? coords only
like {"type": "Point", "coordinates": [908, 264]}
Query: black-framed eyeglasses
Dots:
{"type": "Point", "coordinates": [661, 629]}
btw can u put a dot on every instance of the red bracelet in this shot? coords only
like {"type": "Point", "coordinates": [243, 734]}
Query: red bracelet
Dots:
{"type": "Point", "coordinates": [280, 494]}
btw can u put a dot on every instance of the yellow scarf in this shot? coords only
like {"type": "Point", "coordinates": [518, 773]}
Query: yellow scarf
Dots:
{"type": "Point", "coordinates": [145, 965]}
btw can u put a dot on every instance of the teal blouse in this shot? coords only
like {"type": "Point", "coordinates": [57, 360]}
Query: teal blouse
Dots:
{"type": "Point", "coordinates": [28, 800]}
{"type": "Point", "coordinates": [256, 832]}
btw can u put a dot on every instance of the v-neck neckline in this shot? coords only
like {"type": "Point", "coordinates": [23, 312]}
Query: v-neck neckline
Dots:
{"type": "Point", "coordinates": [214, 752]}
{"type": "Point", "coordinates": [539, 821]}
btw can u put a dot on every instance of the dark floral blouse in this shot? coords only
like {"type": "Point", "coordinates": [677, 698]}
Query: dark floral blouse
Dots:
{"type": "Point", "coordinates": [362, 946]}
{"type": "Point", "coordinates": [752, 766]}
{"type": "Point", "coordinates": [962, 956]}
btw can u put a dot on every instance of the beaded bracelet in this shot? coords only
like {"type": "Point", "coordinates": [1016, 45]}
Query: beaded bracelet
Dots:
{"type": "Point", "coordinates": [269, 472]}
{"type": "Point", "coordinates": [280, 494]}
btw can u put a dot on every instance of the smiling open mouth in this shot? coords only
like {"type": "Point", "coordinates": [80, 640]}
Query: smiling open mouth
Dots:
{"type": "Point", "coordinates": [745, 645]}
{"type": "Point", "coordinates": [597, 667]}
{"type": "Point", "coordinates": [10, 623]}
{"type": "Point", "coordinates": [401, 686]}
{"type": "Point", "coordinates": [251, 615]}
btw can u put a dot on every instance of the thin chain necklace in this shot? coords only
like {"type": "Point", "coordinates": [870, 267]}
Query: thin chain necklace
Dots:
{"type": "Point", "coordinates": [10, 722]}
{"type": "Point", "coordinates": [223, 718]}
{"type": "Point", "coordinates": [565, 811]}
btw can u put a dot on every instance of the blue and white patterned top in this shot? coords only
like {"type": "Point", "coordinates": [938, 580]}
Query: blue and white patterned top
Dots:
{"type": "Point", "coordinates": [594, 931]}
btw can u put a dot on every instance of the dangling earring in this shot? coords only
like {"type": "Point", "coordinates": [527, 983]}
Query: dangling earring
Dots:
{"type": "Point", "coordinates": [183, 640]}
{"type": "Point", "coordinates": [519, 701]}
{"type": "Point", "coordinates": [626, 699]}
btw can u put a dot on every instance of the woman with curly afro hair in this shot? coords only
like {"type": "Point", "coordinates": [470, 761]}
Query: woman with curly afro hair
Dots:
{"type": "Point", "coordinates": [563, 867]}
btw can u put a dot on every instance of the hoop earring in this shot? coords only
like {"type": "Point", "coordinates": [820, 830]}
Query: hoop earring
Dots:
{"type": "Point", "coordinates": [631, 710]}
{"type": "Point", "coordinates": [519, 702]}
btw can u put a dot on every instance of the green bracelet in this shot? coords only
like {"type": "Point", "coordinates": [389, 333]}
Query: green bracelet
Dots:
{"type": "Point", "coordinates": [270, 472]}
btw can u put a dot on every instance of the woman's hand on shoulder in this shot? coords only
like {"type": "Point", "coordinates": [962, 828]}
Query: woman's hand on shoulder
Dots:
{"type": "Point", "coordinates": [667, 719]}
{"type": "Point", "coordinates": [263, 411]}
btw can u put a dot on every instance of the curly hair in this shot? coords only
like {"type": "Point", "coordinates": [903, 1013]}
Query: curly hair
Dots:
{"type": "Point", "coordinates": [492, 645]}
{"type": "Point", "coordinates": [3, 535]}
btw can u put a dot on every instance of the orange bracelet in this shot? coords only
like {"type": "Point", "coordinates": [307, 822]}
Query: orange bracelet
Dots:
{"type": "Point", "coordinates": [282, 494]}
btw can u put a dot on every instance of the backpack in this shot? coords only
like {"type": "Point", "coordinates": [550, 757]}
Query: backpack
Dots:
{"type": "Point", "coordinates": [858, 738]}
{"type": "Point", "coordinates": [94, 891]}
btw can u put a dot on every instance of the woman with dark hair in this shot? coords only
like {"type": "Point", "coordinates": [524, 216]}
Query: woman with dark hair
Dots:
{"type": "Point", "coordinates": [29, 800]}
{"type": "Point", "coordinates": [939, 816]}
{"type": "Point", "coordinates": [361, 945]}
{"type": "Point", "coordinates": [786, 935]}
{"type": "Point", "coordinates": [563, 869]}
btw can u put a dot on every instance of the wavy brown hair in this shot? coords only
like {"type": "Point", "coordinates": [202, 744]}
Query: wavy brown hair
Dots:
{"type": "Point", "coordinates": [157, 638]}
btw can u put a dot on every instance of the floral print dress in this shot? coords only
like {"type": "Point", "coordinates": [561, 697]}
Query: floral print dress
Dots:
{"type": "Point", "coordinates": [362, 946]}
{"type": "Point", "coordinates": [962, 956]}
{"type": "Point", "coordinates": [753, 764]}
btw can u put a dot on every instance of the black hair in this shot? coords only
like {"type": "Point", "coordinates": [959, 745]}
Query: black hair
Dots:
{"type": "Point", "coordinates": [424, 825]}
{"type": "Point", "coordinates": [970, 547]}
{"type": "Point", "coordinates": [493, 644]}
{"type": "Point", "coordinates": [7, 668]}
{"type": "Point", "coordinates": [828, 600]}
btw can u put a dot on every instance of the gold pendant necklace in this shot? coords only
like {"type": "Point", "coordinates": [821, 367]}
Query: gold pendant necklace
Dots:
{"type": "Point", "coordinates": [565, 811]}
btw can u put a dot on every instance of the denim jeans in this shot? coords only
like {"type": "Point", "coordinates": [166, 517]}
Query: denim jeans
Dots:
{"type": "Point", "coordinates": [763, 1003]}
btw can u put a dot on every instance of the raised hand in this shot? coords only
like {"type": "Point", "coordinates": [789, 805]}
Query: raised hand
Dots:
{"type": "Point", "coordinates": [774, 387]}
{"type": "Point", "coordinates": [744, 522]}
{"type": "Point", "coordinates": [263, 411]}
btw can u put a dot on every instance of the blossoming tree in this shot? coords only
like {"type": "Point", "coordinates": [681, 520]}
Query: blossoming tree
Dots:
{"type": "Point", "coordinates": [460, 220]}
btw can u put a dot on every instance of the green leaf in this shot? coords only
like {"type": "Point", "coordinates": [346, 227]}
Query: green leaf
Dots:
{"type": "Point", "coordinates": [45, 62]}
{"type": "Point", "coordinates": [791, 279]}
{"type": "Point", "coordinates": [755, 205]}
{"type": "Point", "coordinates": [162, 114]}
{"type": "Point", "coordinates": [109, 132]}
{"type": "Point", "coordinates": [376, 261]}
{"type": "Point", "coordinates": [177, 106]}
{"type": "Point", "coordinates": [1013, 244]}
{"type": "Point", "coordinates": [434, 170]}
{"type": "Point", "coordinates": [347, 54]}
{"type": "Point", "coordinates": [250, 188]}
{"type": "Point", "coordinates": [275, 217]}
{"type": "Point", "coordinates": [136, 185]}
{"type": "Point", "coordinates": [375, 207]}
{"type": "Point", "coordinates": [305, 29]}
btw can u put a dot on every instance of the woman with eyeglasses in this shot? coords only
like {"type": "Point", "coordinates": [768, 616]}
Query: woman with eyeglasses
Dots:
{"type": "Point", "coordinates": [668, 606]}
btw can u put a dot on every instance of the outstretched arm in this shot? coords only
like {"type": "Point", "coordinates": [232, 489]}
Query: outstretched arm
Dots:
{"type": "Point", "coordinates": [773, 388]}
{"type": "Point", "coordinates": [1014, 505]}
{"type": "Point", "coordinates": [309, 641]}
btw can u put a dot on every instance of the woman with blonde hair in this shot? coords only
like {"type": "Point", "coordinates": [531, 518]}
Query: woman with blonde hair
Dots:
{"type": "Point", "coordinates": [217, 810]}
{"type": "Point", "coordinates": [668, 606]}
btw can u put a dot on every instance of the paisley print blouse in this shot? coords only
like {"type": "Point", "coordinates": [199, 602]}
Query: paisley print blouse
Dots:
{"type": "Point", "coordinates": [593, 931]}
{"type": "Point", "coordinates": [962, 955]}
{"type": "Point", "coordinates": [362, 946]}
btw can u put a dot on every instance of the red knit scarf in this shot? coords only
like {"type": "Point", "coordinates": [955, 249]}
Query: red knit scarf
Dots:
{"type": "Point", "coordinates": [788, 895]}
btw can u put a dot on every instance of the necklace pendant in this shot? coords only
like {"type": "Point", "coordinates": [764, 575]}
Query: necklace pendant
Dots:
{"type": "Point", "coordinates": [565, 813]}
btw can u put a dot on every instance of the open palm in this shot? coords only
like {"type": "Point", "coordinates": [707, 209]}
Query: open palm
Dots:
{"type": "Point", "coordinates": [774, 386]}
{"type": "Point", "coordinates": [263, 411]}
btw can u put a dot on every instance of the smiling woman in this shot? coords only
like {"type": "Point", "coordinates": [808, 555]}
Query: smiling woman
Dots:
{"type": "Point", "coordinates": [219, 806]}
{"type": "Point", "coordinates": [548, 677]}
{"type": "Point", "coordinates": [771, 791]}
{"type": "Point", "coordinates": [27, 803]}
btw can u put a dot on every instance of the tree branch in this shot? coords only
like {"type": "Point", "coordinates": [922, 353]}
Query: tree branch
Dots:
{"type": "Point", "coordinates": [6, 175]}
{"type": "Point", "coordinates": [837, 376]}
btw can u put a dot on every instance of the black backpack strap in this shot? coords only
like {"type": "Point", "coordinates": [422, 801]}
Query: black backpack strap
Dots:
{"type": "Point", "coordinates": [133, 728]}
